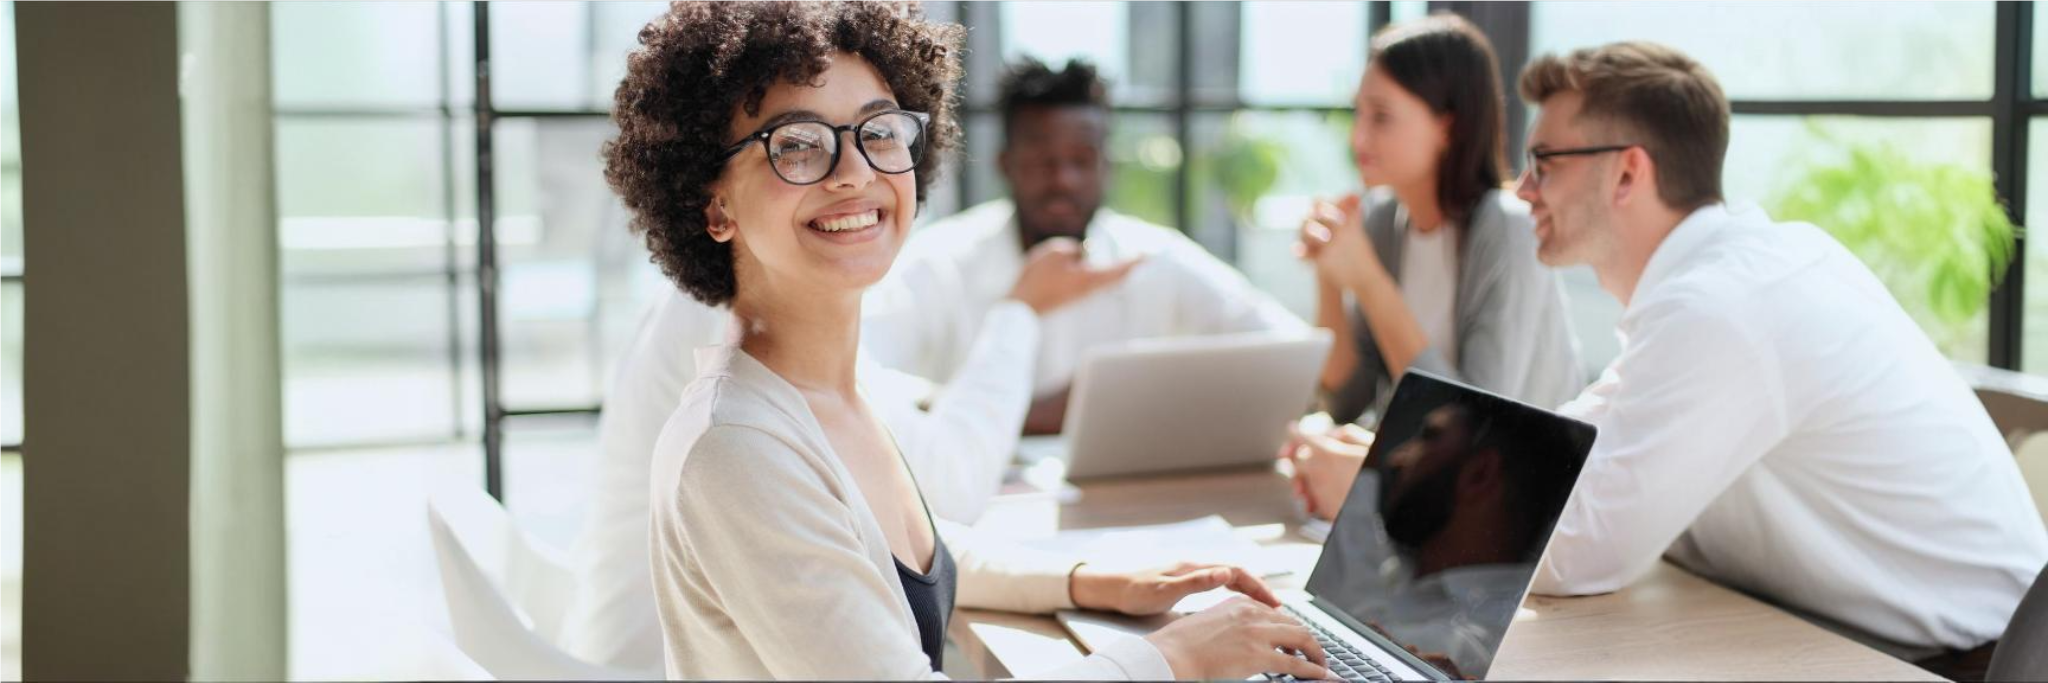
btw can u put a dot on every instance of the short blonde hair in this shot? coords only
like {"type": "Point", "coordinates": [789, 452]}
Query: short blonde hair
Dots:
{"type": "Point", "coordinates": [1662, 99]}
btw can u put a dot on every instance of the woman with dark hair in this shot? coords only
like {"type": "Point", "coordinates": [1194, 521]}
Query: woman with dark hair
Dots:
{"type": "Point", "coordinates": [773, 155]}
{"type": "Point", "coordinates": [1439, 262]}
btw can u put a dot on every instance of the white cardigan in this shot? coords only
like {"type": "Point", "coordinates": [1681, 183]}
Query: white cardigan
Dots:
{"type": "Point", "coordinates": [768, 562]}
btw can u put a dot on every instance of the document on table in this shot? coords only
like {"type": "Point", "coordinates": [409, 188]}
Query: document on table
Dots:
{"type": "Point", "coordinates": [1208, 539]}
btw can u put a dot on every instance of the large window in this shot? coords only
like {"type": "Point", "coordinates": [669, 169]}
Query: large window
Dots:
{"type": "Point", "coordinates": [1230, 118]}
{"type": "Point", "coordinates": [1815, 84]}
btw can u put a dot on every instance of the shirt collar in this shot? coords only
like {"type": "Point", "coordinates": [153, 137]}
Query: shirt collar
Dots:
{"type": "Point", "coordinates": [1684, 239]}
{"type": "Point", "coordinates": [1697, 230]}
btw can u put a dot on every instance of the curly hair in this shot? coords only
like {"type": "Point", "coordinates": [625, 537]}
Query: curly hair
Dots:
{"type": "Point", "coordinates": [702, 61]}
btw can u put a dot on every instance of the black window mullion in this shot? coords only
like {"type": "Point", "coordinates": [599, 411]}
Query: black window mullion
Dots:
{"type": "Point", "coordinates": [1184, 86]}
{"type": "Point", "coordinates": [2011, 96]}
{"type": "Point", "coordinates": [487, 262]}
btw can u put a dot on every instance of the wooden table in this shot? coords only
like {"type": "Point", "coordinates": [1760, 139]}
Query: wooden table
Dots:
{"type": "Point", "coordinates": [1670, 625]}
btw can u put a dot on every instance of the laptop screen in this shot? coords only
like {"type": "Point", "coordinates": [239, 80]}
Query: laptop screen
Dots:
{"type": "Point", "coordinates": [1439, 537]}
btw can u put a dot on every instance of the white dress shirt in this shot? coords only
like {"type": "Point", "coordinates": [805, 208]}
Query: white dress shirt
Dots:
{"type": "Point", "coordinates": [957, 439]}
{"type": "Point", "coordinates": [926, 315]}
{"type": "Point", "coordinates": [768, 562]}
{"type": "Point", "coordinates": [1777, 422]}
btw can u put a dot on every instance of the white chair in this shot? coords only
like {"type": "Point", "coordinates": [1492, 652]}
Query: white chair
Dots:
{"type": "Point", "coordinates": [506, 597]}
{"type": "Point", "coordinates": [2018, 405]}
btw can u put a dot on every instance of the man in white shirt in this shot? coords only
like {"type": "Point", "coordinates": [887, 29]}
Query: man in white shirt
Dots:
{"type": "Point", "coordinates": [957, 438]}
{"type": "Point", "coordinates": [1775, 420]}
{"type": "Point", "coordinates": [925, 317]}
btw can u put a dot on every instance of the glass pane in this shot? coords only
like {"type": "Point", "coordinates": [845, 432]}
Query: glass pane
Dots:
{"type": "Point", "coordinates": [573, 279]}
{"type": "Point", "coordinates": [10, 565]}
{"type": "Point", "coordinates": [617, 30]}
{"type": "Point", "coordinates": [352, 56]}
{"type": "Point", "coordinates": [1214, 70]}
{"type": "Point", "coordinates": [460, 34]}
{"type": "Point", "coordinates": [1408, 10]}
{"type": "Point", "coordinates": [367, 360]}
{"type": "Point", "coordinates": [984, 141]}
{"type": "Point", "coordinates": [541, 56]}
{"type": "Point", "coordinates": [2034, 323]}
{"type": "Point", "coordinates": [1303, 53]}
{"type": "Point", "coordinates": [11, 298]}
{"type": "Point", "coordinates": [1891, 50]}
{"type": "Point", "coordinates": [1144, 164]}
{"type": "Point", "coordinates": [2040, 65]}
{"type": "Point", "coordinates": [563, 56]}
{"type": "Point", "coordinates": [1251, 180]}
{"type": "Point", "coordinates": [1134, 45]}
{"type": "Point", "coordinates": [1890, 190]}
{"type": "Point", "coordinates": [10, 149]}
{"type": "Point", "coordinates": [361, 195]}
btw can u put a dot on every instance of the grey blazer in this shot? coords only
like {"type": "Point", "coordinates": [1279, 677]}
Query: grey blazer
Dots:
{"type": "Point", "coordinates": [1514, 338]}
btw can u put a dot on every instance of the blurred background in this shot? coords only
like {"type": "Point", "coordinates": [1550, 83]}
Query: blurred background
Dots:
{"type": "Point", "coordinates": [1899, 126]}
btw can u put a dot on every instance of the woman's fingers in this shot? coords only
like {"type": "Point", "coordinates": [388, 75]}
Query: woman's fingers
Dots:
{"type": "Point", "coordinates": [1252, 586]}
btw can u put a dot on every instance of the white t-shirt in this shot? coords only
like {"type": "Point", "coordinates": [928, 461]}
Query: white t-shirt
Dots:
{"type": "Point", "coordinates": [1429, 283]}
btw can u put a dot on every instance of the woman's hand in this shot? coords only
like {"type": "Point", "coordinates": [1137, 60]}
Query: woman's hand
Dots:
{"type": "Point", "coordinates": [1237, 639]}
{"type": "Point", "coordinates": [1326, 464]}
{"type": "Point", "coordinates": [1154, 591]}
{"type": "Point", "coordinates": [1333, 239]}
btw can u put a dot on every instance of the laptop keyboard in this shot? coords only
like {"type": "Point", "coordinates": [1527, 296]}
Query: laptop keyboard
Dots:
{"type": "Point", "coordinates": [1343, 660]}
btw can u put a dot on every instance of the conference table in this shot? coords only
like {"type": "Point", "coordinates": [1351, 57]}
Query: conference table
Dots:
{"type": "Point", "coordinates": [1671, 624]}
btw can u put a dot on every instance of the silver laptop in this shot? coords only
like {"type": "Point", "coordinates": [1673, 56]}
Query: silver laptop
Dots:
{"type": "Point", "coordinates": [1183, 403]}
{"type": "Point", "coordinates": [1473, 485]}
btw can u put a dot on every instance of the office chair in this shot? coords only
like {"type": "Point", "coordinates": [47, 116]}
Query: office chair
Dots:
{"type": "Point", "coordinates": [2022, 653]}
{"type": "Point", "coordinates": [506, 598]}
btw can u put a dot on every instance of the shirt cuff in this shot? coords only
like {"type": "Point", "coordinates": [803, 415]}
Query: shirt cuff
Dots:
{"type": "Point", "coordinates": [1139, 660]}
{"type": "Point", "coordinates": [1013, 313]}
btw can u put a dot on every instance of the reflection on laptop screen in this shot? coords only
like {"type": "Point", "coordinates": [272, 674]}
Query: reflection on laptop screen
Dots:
{"type": "Point", "coordinates": [1440, 535]}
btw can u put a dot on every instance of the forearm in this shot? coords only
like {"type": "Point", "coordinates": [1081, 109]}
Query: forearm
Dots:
{"type": "Point", "coordinates": [1342, 361]}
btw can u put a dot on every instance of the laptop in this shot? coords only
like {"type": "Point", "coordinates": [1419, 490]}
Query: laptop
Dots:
{"type": "Point", "coordinates": [1474, 484]}
{"type": "Point", "coordinates": [1185, 403]}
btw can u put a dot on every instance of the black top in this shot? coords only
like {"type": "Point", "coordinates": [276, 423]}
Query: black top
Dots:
{"type": "Point", "coordinates": [931, 599]}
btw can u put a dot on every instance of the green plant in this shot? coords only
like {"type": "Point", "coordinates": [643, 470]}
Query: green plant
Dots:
{"type": "Point", "coordinates": [1936, 234]}
{"type": "Point", "coordinates": [1246, 168]}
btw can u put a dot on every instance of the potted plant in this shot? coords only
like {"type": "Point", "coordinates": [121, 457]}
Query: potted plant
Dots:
{"type": "Point", "coordinates": [1936, 234]}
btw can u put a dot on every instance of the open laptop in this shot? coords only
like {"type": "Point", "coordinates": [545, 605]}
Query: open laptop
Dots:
{"type": "Point", "coordinates": [1474, 485]}
{"type": "Point", "coordinates": [1181, 403]}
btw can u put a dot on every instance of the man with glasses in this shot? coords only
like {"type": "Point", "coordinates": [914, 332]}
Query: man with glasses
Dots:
{"type": "Point", "coordinates": [1775, 420]}
{"type": "Point", "coordinates": [954, 274]}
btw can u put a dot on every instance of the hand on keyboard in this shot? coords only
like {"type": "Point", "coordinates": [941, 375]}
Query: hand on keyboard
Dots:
{"type": "Point", "coordinates": [1344, 661]}
{"type": "Point", "coordinates": [1236, 639]}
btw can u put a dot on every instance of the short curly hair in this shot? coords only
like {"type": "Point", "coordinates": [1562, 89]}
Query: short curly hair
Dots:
{"type": "Point", "coordinates": [702, 60]}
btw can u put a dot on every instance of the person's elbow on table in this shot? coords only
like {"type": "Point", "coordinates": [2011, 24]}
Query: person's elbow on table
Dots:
{"type": "Point", "coordinates": [1570, 569]}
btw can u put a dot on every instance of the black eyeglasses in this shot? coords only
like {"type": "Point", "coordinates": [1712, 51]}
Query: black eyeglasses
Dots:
{"type": "Point", "coordinates": [1537, 157]}
{"type": "Point", "coordinates": [805, 152]}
